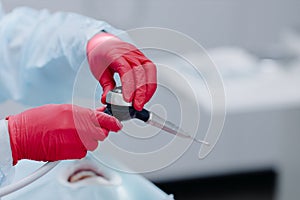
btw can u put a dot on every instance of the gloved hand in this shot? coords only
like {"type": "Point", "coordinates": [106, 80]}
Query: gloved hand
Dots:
{"type": "Point", "coordinates": [107, 54]}
{"type": "Point", "coordinates": [58, 132]}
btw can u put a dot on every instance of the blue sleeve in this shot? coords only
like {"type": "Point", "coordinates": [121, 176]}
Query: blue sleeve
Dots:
{"type": "Point", "coordinates": [40, 53]}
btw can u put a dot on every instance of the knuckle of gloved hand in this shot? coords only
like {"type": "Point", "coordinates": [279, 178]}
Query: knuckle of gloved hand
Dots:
{"type": "Point", "coordinates": [64, 107]}
{"type": "Point", "coordinates": [66, 110]}
{"type": "Point", "coordinates": [67, 114]}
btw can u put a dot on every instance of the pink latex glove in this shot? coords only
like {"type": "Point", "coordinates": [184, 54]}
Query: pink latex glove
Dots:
{"type": "Point", "coordinates": [58, 132]}
{"type": "Point", "coordinates": [107, 54]}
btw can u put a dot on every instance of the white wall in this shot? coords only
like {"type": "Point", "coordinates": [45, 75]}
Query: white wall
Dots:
{"type": "Point", "coordinates": [255, 24]}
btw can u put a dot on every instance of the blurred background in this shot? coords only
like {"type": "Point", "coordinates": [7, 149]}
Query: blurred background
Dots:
{"type": "Point", "coordinates": [256, 46]}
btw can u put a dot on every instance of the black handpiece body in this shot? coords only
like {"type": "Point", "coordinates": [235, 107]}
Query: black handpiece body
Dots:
{"type": "Point", "coordinates": [124, 113]}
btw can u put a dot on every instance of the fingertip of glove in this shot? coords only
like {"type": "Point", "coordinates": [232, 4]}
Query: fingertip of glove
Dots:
{"type": "Point", "coordinates": [119, 125]}
{"type": "Point", "coordinates": [103, 99]}
{"type": "Point", "coordinates": [138, 105]}
{"type": "Point", "coordinates": [101, 109]}
{"type": "Point", "coordinates": [113, 123]}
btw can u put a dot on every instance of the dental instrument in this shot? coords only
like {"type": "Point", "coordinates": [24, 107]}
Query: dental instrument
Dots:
{"type": "Point", "coordinates": [123, 111]}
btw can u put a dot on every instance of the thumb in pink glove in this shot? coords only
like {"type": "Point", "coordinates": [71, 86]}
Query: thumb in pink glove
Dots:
{"type": "Point", "coordinates": [107, 54]}
{"type": "Point", "coordinates": [58, 132]}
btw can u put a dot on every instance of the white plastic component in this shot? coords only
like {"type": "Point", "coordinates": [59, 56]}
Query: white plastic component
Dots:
{"type": "Point", "coordinates": [115, 97]}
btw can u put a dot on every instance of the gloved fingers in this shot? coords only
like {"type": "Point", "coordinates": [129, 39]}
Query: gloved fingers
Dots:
{"type": "Point", "coordinates": [150, 70]}
{"type": "Point", "coordinates": [96, 130]}
{"type": "Point", "coordinates": [107, 82]}
{"type": "Point", "coordinates": [90, 136]}
{"type": "Point", "coordinates": [90, 144]}
{"type": "Point", "coordinates": [141, 88]}
{"type": "Point", "coordinates": [140, 82]}
{"type": "Point", "coordinates": [127, 77]}
{"type": "Point", "coordinates": [101, 109]}
{"type": "Point", "coordinates": [105, 132]}
{"type": "Point", "coordinates": [108, 122]}
{"type": "Point", "coordinates": [150, 80]}
{"type": "Point", "coordinates": [99, 133]}
{"type": "Point", "coordinates": [87, 133]}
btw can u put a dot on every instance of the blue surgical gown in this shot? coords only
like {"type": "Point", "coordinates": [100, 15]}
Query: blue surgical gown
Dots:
{"type": "Point", "coordinates": [40, 53]}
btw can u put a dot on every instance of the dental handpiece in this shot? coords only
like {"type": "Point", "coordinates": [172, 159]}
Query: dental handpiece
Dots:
{"type": "Point", "coordinates": [123, 111]}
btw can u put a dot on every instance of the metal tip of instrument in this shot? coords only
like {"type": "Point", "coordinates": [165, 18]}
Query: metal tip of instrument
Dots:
{"type": "Point", "coordinates": [169, 127]}
{"type": "Point", "coordinates": [183, 134]}
{"type": "Point", "coordinates": [201, 141]}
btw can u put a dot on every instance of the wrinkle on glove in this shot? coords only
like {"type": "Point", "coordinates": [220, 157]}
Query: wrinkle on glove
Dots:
{"type": "Point", "coordinates": [107, 54]}
{"type": "Point", "coordinates": [58, 132]}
